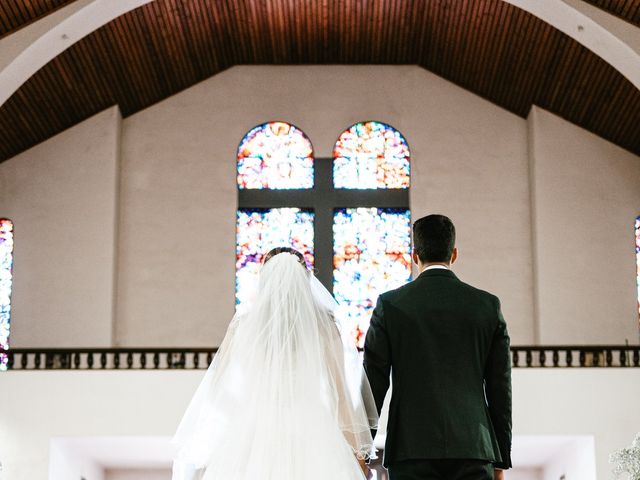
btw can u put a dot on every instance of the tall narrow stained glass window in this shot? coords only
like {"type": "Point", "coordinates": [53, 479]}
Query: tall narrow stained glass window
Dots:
{"type": "Point", "coordinates": [637, 229]}
{"type": "Point", "coordinates": [272, 157]}
{"type": "Point", "coordinates": [372, 246]}
{"type": "Point", "coordinates": [6, 281]}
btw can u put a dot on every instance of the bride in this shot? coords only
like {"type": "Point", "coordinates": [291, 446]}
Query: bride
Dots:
{"type": "Point", "coordinates": [286, 397]}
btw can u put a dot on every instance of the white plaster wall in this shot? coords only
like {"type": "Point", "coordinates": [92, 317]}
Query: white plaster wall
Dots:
{"type": "Point", "coordinates": [46, 404]}
{"type": "Point", "coordinates": [586, 196]}
{"type": "Point", "coordinates": [62, 198]}
{"type": "Point", "coordinates": [176, 269]}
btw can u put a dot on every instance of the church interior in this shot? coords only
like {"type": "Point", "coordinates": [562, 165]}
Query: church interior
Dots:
{"type": "Point", "coordinates": [136, 203]}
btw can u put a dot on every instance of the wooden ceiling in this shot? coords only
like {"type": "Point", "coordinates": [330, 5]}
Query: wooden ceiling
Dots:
{"type": "Point", "coordinates": [15, 14]}
{"type": "Point", "coordinates": [628, 10]}
{"type": "Point", "coordinates": [486, 46]}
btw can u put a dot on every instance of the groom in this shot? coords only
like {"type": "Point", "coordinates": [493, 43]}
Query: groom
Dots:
{"type": "Point", "coordinates": [447, 347]}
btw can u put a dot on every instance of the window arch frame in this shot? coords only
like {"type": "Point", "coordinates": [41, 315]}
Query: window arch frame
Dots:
{"type": "Point", "coordinates": [389, 126]}
{"type": "Point", "coordinates": [302, 134]}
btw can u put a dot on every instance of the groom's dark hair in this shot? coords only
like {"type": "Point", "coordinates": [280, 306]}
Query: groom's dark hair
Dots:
{"type": "Point", "coordinates": [434, 238]}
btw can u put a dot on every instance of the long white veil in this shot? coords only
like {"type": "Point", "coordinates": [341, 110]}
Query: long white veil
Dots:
{"type": "Point", "coordinates": [286, 396]}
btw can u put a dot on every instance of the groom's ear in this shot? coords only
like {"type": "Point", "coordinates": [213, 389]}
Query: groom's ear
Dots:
{"type": "Point", "coordinates": [454, 255]}
{"type": "Point", "coordinates": [414, 256]}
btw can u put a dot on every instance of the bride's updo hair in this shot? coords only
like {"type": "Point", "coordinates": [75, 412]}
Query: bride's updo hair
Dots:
{"type": "Point", "coordinates": [275, 251]}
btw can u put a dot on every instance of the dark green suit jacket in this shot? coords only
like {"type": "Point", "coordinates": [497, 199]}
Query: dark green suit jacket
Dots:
{"type": "Point", "coordinates": [446, 346]}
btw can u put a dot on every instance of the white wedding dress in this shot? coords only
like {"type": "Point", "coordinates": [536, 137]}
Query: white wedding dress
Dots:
{"type": "Point", "coordinates": [286, 397]}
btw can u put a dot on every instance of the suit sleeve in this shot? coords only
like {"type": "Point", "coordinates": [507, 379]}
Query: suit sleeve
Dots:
{"type": "Point", "coordinates": [498, 388]}
{"type": "Point", "coordinates": [377, 355]}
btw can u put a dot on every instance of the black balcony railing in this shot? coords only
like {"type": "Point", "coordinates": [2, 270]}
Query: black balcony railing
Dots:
{"type": "Point", "coordinates": [109, 358]}
{"type": "Point", "coordinates": [556, 356]}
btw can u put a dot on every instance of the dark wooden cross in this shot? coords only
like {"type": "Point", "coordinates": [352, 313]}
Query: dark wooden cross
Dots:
{"type": "Point", "coordinates": [323, 199]}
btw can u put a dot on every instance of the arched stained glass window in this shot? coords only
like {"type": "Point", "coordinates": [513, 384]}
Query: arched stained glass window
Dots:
{"type": "Point", "coordinates": [371, 155]}
{"type": "Point", "coordinates": [637, 229]}
{"type": "Point", "coordinates": [274, 159]}
{"type": "Point", "coordinates": [275, 155]}
{"type": "Point", "coordinates": [6, 282]}
{"type": "Point", "coordinates": [372, 246]}
{"type": "Point", "coordinates": [349, 214]}
{"type": "Point", "coordinates": [261, 229]}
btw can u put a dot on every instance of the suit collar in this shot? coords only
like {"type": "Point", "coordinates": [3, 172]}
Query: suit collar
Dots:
{"type": "Point", "coordinates": [437, 272]}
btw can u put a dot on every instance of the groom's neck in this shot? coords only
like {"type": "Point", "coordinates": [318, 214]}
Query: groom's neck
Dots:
{"type": "Point", "coordinates": [424, 266]}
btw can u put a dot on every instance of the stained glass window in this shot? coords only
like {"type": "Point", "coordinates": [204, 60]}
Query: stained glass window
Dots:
{"type": "Point", "coordinates": [638, 261]}
{"type": "Point", "coordinates": [368, 249]}
{"type": "Point", "coordinates": [275, 155]}
{"type": "Point", "coordinates": [371, 155]}
{"type": "Point", "coordinates": [372, 254]}
{"type": "Point", "coordinates": [261, 229]}
{"type": "Point", "coordinates": [6, 281]}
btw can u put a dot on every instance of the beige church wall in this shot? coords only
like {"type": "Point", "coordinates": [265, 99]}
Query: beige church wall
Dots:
{"type": "Point", "coordinates": [599, 403]}
{"type": "Point", "coordinates": [470, 162]}
{"type": "Point", "coordinates": [62, 196]}
{"type": "Point", "coordinates": [176, 240]}
{"type": "Point", "coordinates": [179, 197]}
{"type": "Point", "coordinates": [586, 196]}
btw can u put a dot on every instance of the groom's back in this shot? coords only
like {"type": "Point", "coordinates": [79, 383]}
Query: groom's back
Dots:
{"type": "Point", "coordinates": [441, 326]}
{"type": "Point", "coordinates": [440, 333]}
